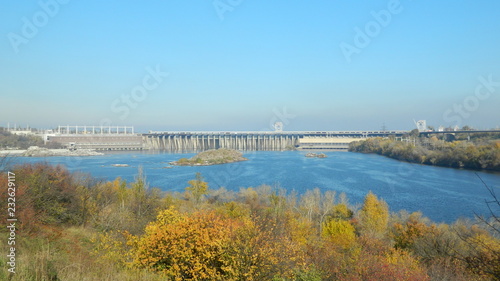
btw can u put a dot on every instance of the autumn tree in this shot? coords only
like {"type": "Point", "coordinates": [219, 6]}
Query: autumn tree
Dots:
{"type": "Point", "coordinates": [374, 216]}
{"type": "Point", "coordinates": [342, 211]}
{"type": "Point", "coordinates": [317, 206]}
{"type": "Point", "coordinates": [185, 247]}
{"type": "Point", "coordinates": [340, 232]}
{"type": "Point", "coordinates": [261, 250]}
{"type": "Point", "coordinates": [197, 189]}
{"type": "Point", "coordinates": [126, 206]}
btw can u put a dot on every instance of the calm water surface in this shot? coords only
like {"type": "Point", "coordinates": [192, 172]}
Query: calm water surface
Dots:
{"type": "Point", "coordinates": [442, 194]}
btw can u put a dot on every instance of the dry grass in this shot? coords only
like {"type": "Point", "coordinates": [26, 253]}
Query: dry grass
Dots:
{"type": "Point", "coordinates": [66, 256]}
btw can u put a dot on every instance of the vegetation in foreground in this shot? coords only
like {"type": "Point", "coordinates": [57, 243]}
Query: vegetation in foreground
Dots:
{"type": "Point", "coordinates": [212, 157]}
{"type": "Point", "coordinates": [432, 151]}
{"type": "Point", "coordinates": [72, 227]}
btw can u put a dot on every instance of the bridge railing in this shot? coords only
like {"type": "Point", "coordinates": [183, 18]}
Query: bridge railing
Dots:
{"type": "Point", "coordinates": [326, 133]}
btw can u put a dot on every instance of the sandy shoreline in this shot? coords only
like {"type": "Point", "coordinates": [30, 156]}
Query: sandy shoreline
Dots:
{"type": "Point", "coordinates": [44, 152]}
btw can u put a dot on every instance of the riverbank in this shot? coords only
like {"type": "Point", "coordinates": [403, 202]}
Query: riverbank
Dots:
{"type": "Point", "coordinates": [457, 154]}
{"type": "Point", "coordinates": [35, 151]}
{"type": "Point", "coordinates": [402, 185]}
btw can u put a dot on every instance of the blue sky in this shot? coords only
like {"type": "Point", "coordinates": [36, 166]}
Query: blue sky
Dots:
{"type": "Point", "coordinates": [241, 65]}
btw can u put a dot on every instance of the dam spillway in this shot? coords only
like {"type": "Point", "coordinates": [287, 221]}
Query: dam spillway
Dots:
{"type": "Point", "coordinates": [260, 141]}
{"type": "Point", "coordinates": [179, 142]}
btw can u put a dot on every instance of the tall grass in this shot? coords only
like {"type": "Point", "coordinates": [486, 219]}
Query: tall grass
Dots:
{"type": "Point", "coordinates": [64, 255]}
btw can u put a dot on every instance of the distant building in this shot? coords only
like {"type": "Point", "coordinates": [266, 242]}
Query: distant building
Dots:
{"type": "Point", "coordinates": [21, 132]}
{"type": "Point", "coordinates": [421, 125]}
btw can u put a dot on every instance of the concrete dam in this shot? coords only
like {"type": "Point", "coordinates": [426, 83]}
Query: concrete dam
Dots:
{"type": "Point", "coordinates": [270, 141]}
{"type": "Point", "coordinates": [178, 142]}
{"type": "Point", "coordinates": [124, 138]}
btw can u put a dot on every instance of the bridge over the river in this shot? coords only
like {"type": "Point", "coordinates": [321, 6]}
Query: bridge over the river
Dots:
{"type": "Point", "coordinates": [459, 132]}
{"type": "Point", "coordinates": [450, 135]}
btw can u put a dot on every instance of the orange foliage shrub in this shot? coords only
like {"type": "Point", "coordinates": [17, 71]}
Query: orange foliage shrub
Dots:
{"type": "Point", "coordinates": [185, 247]}
{"type": "Point", "coordinates": [261, 250]}
{"type": "Point", "coordinates": [208, 246]}
{"type": "Point", "coordinates": [405, 234]}
{"type": "Point", "coordinates": [393, 265]}
{"type": "Point", "coordinates": [44, 195]}
{"type": "Point", "coordinates": [484, 259]}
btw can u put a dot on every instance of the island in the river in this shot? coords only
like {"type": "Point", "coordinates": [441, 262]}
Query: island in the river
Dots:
{"type": "Point", "coordinates": [211, 157]}
{"type": "Point", "coordinates": [312, 155]}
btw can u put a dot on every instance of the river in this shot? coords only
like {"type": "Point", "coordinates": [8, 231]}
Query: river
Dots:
{"type": "Point", "coordinates": [442, 194]}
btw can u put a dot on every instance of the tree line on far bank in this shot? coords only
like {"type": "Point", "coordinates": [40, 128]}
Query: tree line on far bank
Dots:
{"type": "Point", "coordinates": [479, 154]}
{"type": "Point", "coordinates": [13, 141]}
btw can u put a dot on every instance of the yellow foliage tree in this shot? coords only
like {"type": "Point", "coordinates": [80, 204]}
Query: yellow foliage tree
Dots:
{"type": "Point", "coordinates": [340, 233]}
{"type": "Point", "coordinates": [374, 216]}
{"type": "Point", "coordinates": [341, 211]}
{"type": "Point", "coordinates": [197, 188]}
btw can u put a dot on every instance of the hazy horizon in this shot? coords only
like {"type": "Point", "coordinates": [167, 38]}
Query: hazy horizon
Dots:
{"type": "Point", "coordinates": [242, 65]}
